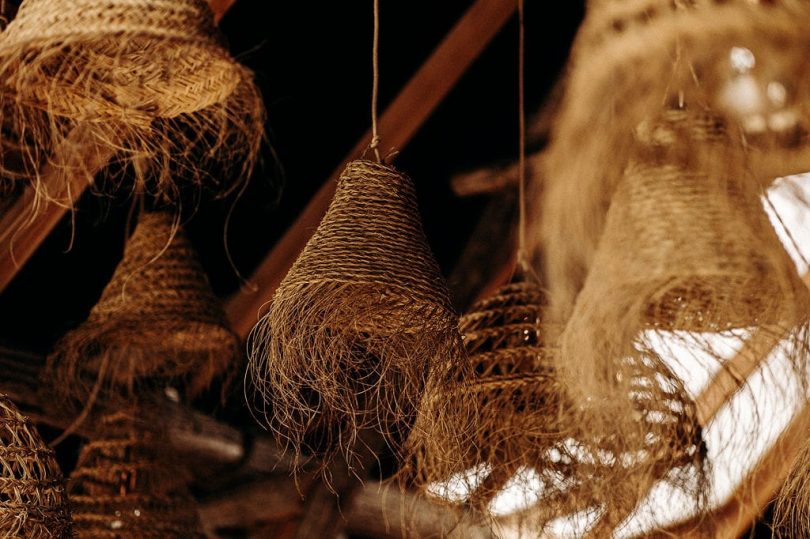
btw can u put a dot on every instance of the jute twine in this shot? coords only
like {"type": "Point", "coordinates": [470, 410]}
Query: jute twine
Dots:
{"type": "Point", "coordinates": [33, 501]}
{"type": "Point", "coordinates": [359, 325]}
{"type": "Point", "coordinates": [157, 318]}
{"type": "Point", "coordinates": [634, 58]}
{"type": "Point", "coordinates": [148, 79]}
{"type": "Point", "coordinates": [128, 484]}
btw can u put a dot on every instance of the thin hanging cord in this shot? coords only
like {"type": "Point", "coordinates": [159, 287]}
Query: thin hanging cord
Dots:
{"type": "Point", "coordinates": [522, 255]}
{"type": "Point", "coordinates": [375, 63]}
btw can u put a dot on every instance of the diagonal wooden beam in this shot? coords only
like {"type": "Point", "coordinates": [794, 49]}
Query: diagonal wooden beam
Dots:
{"type": "Point", "coordinates": [24, 227]}
{"type": "Point", "coordinates": [403, 118]}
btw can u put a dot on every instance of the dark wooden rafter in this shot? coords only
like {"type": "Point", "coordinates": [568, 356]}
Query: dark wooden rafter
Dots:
{"type": "Point", "coordinates": [24, 227]}
{"type": "Point", "coordinates": [399, 123]}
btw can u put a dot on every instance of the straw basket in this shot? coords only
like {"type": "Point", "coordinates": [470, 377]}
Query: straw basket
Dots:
{"type": "Point", "coordinates": [360, 323]}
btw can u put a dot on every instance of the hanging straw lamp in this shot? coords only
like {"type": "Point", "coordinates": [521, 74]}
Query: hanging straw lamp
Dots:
{"type": "Point", "coordinates": [145, 82]}
{"type": "Point", "coordinates": [744, 62]}
{"type": "Point", "coordinates": [359, 323]}
{"type": "Point", "coordinates": [127, 484]}
{"type": "Point", "coordinates": [156, 319]}
{"type": "Point", "coordinates": [33, 501]}
{"type": "Point", "coordinates": [687, 252]}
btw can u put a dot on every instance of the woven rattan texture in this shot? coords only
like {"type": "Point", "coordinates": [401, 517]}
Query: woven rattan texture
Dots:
{"type": "Point", "coordinates": [127, 484]}
{"type": "Point", "coordinates": [158, 317]}
{"type": "Point", "coordinates": [148, 81]}
{"type": "Point", "coordinates": [33, 501]}
{"type": "Point", "coordinates": [634, 59]}
{"type": "Point", "coordinates": [360, 324]}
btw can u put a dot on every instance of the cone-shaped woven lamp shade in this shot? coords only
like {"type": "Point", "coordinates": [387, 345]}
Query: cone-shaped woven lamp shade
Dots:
{"type": "Point", "coordinates": [508, 400]}
{"type": "Point", "coordinates": [33, 501]}
{"type": "Point", "coordinates": [360, 323]}
{"type": "Point", "coordinates": [127, 485]}
{"type": "Point", "coordinates": [148, 81]}
{"type": "Point", "coordinates": [745, 62]}
{"type": "Point", "coordinates": [157, 318]}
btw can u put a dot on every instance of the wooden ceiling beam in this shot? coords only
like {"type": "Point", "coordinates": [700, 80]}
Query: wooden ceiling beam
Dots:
{"type": "Point", "coordinates": [24, 226]}
{"type": "Point", "coordinates": [400, 122]}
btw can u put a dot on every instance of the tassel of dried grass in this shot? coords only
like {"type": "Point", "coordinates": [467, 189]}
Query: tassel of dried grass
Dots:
{"type": "Point", "coordinates": [360, 324]}
{"type": "Point", "coordinates": [128, 483]}
{"type": "Point", "coordinates": [791, 516]}
{"type": "Point", "coordinates": [148, 80]}
{"type": "Point", "coordinates": [156, 319]}
{"type": "Point", "coordinates": [33, 500]}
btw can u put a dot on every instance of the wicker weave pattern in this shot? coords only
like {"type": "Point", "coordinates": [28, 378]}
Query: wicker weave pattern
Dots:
{"type": "Point", "coordinates": [360, 323]}
{"type": "Point", "coordinates": [147, 79]}
{"type": "Point", "coordinates": [156, 317]}
{"type": "Point", "coordinates": [33, 502]}
{"type": "Point", "coordinates": [127, 485]}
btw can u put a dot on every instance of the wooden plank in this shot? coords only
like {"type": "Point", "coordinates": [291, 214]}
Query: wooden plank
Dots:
{"type": "Point", "coordinates": [403, 118]}
{"type": "Point", "coordinates": [24, 227]}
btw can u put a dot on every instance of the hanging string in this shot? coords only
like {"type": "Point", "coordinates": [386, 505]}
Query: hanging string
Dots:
{"type": "Point", "coordinates": [375, 63]}
{"type": "Point", "coordinates": [522, 256]}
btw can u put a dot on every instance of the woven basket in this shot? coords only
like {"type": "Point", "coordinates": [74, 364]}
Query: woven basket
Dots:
{"type": "Point", "coordinates": [635, 58]}
{"type": "Point", "coordinates": [33, 502]}
{"type": "Point", "coordinates": [156, 318]}
{"type": "Point", "coordinates": [360, 323]}
{"type": "Point", "coordinates": [127, 484]}
{"type": "Point", "coordinates": [148, 80]}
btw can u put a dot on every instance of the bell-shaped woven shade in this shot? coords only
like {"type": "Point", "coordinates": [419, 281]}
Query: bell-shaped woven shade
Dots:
{"type": "Point", "coordinates": [33, 501]}
{"type": "Point", "coordinates": [148, 82]}
{"type": "Point", "coordinates": [156, 318]}
{"type": "Point", "coordinates": [359, 324]}
{"type": "Point", "coordinates": [743, 61]}
{"type": "Point", "coordinates": [127, 484]}
{"type": "Point", "coordinates": [508, 399]}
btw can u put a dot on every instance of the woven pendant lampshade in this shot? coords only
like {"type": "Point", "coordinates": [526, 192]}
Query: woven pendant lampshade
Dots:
{"type": "Point", "coordinates": [148, 82]}
{"type": "Point", "coordinates": [360, 323]}
{"type": "Point", "coordinates": [157, 318]}
{"type": "Point", "coordinates": [33, 501]}
{"type": "Point", "coordinates": [744, 61]}
{"type": "Point", "coordinates": [127, 485]}
{"type": "Point", "coordinates": [509, 396]}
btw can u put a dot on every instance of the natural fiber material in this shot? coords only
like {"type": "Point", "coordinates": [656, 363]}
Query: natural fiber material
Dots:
{"type": "Point", "coordinates": [33, 502]}
{"type": "Point", "coordinates": [126, 484]}
{"type": "Point", "coordinates": [360, 324]}
{"type": "Point", "coordinates": [530, 438]}
{"type": "Point", "coordinates": [633, 58]}
{"type": "Point", "coordinates": [148, 79]}
{"type": "Point", "coordinates": [508, 399]}
{"type": "Point", "coordinates": [156, 318]}
{"type": "Point", "coordinates": [792, 509]}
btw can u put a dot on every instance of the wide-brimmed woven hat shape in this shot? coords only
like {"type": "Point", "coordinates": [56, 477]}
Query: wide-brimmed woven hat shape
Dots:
{"type": "Point", "coordinates": [743, 61]}
{"type": "Point", "coordinates": [127, 484]}
{"type": "Point", "coordinates": [360, 323]}
{"type": "Point", "coordinates": [146, 81]}
{"type": "Point", "coordinates": [33, 500]}
{"type": "Point", "coordinates": [157, 318]}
